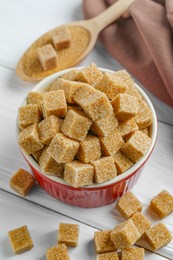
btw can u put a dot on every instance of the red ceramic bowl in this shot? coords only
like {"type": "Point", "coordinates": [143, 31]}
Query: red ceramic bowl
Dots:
{"type": "Point", "coordinates": [97, 194]}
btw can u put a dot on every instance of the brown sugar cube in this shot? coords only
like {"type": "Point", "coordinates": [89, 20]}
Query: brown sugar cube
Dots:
{"type": "Point", "coordinates": [35, 98]}
{"type": "Point", "coordinates": [28, 115]}
{"type": "Point", "coordinates": [58, 252]}
{"type": "Point", "coordinates": [111, 85]}
{"type": "Point", "coordinates": [76, 125]}
{"type": "Point", "coordinates": [21, 182]}
{"type": "Point", "coordinates": [91, 75]}
{"type": "Point", "coordinates": [102, 241]}
{"type": "Point", "coordinates": [49, 166]}
{"type": "Point", "coordinates": [61, 38]}
{"type": "Point", "coordinates": [69, 87]}
{"type": "Point", "coordinates": [143, 117]}
{"type": "Point", "coordinates": [124, 76]}
{"type": "Point", "coordinates": [104, 168]}
{"type": "Point", "coordinates": [68, 234]}
{"type": "Point", "coordinates": [105, 125]}
{"type": "Point", "coordinates": [108, 256]}
{"type": "Point", "coordinates": [95, 105]}
{"type": "Point", "coordinates": [89, 149]}
{"type": "Point", "coordinates": [145, 131]}
{"type": "Point", "coordinates": [47, 57]}
{"type": "Point", "coordinates": [83, 92]}
{"type": "Point", "coordinates": [136, 146]}
{"type": "Point", "coordinates": [48, 128]}
{"type": "Point", "coordinates": [28, 139]}
{"type": "Point", "coordinates": [128, 127]}
{"type": "Point", "coordinates": [122, 162]}
{"type": "Point", "coordinates": [125, 107]}
{"type": "Point", "coordinates": [128, 204]}
{"type": "Point", "coordinates": [20, 239]}
{"type": "Point", "coordinates": [78, 174]}
{"type": "Point", "coordinates": [111, 143]}
{"type": "Point", "coordinates": [54, 103]}
{"type": "Point", "coordinates": [133, 254]}
{"type": "Point", "coordinates": [132, 91]}
{"type": "Point", "coordinates": [141, 222]}
{"type": "Point", "coordinates": [124, 235]}
{"type": "Point", "coordinates": [162, 204]}
{"type": "Point", "coordinates": [62, 148]}
{"type": "Point", "coordinates": [54, 85]}
{"type": "Point", "coordinates": [70, 75]}
{"type": "Point", "coordinates": [74, 107]}
{"type": "Point", "coordinates": [158, 236]}
{"type": "Point", "coordinates": [37, 154]}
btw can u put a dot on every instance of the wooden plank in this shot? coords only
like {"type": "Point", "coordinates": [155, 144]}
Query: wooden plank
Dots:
{"type": "Point", "coordinates": [153, 179]}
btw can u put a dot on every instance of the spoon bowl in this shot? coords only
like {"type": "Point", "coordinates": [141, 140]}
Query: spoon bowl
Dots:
{"type": "Point", "coordinates": [83, 38]}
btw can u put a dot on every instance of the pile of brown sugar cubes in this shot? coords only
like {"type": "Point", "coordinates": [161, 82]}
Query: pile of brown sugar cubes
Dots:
{"type": "Point", "coordinates": [87, 127]}
{"type": "Point", "coordinates": [47, 54]}
{"type": "Point", "coordinates": [117, 243]}
{"type": "Point", "coordinates": [68, 236]}
{"type": "Point", "coordinates": [112, 244]}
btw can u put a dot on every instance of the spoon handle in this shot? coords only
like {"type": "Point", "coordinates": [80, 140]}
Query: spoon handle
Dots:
{"type": "Point", "coordinates": [111, 14]}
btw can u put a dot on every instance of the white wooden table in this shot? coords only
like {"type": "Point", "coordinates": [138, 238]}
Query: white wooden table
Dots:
{"type": "Point", "coordinates": [21, 22]}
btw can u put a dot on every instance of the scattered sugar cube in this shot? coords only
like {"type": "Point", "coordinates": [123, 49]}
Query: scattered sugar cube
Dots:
{"type": "Point", "coordinates": [122, 162]}
{"type": "Point", "coordinates": [105, 125]}
{"type": "Point", "coordinates": [69, 87]}
{"type": "Point", "coordinates": [111, 85]}
{"type": "Point", "coordinates": [70, 75]}
{"type": "Point", "coordinates": [68, 234]}
{"type": "Point", "coordinates": [28, 115]}
{"type": "Point", "coordinates": [162, 204]}
{"type": "Point", "coordinates": [108, 256]}
{"type": "Point", "coordinates": [21, 182]}
{"type": "Point", "coordinates": [141, 222]}
{"type": "Point", "coordinates": [47, 57]}
{"type": "Point", "coordinates": [143, 117]}
{"type": "Point", "coordinates": [79, 174]}
{"type": "Point", "coordinates": [105, 169]}
{"type": "Point", "coordinates": [125, 107]}
{"type": "Point", "coordinates": [61, 38]}
{"type": "Point", "coordinates": [76, 125]}
{"type": "Point", "coordinates": [54, 103]}
{"type": "Point", "coordinates": [111, 143]}
{"type": "Point", "coordinates": [58, 252]}
{"type": "Point", "coordinates": [158, 236]}
{"type": "Point", "coordinates": [128, 204]}
{"type": "Point", "coordinates": [49, 166]}
{"type": "Point", "coordinates": [124, 76]}
{"type": "Point", "coordinates": [35, 98]}
{"type": "Point", "coordinates": [29, 139]}
{"type": "Point", "coordinates": [102, 241]}
{"type": "Point", "coordinates": [89, 149]}
{"type": "Point", "coordinates": [91, 75]}
{"type": "Point", "coordinates": [128, 127]}
{"type": "Point", "coordinates": [133, 254]}
{"type": "Point", "coordinates": [124, 235]}
{"type": "Point", "coordinates": [20, 239]}
{"type": "Point", "coordinates": [136, 146]}
{"type": "Point", "coordinates": [62, 148]}
{"type": "Point", "coordinates": [48, 128]}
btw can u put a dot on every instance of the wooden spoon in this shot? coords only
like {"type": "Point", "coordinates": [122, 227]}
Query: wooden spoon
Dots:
{"type": "Point", "coordinates": [83, 38]}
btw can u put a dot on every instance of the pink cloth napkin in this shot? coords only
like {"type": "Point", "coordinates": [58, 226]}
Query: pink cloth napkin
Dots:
{"type": "Point", "coordinates": [143, 44]}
